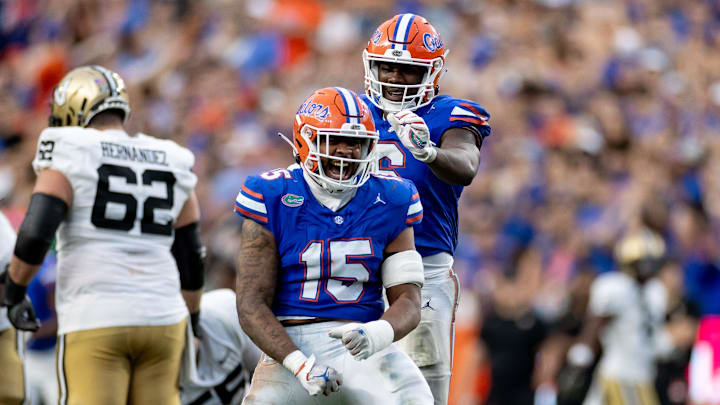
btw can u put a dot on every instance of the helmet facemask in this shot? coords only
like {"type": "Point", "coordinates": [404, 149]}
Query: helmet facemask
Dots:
{"type": "Point", "coordinates": [319, 142]}
{"type": "Point", "coordinates": [334, 139]}
{"type": "Point", "coordinates": [414, 96]}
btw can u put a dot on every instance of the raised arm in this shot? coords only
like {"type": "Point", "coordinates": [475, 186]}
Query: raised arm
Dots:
{"type": "Point", "coordinates": [458, 157]}
{"type": "Point", "coordinates": [455, 160]}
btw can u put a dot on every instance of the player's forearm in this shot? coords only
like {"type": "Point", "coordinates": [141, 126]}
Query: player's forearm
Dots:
{"type": "Point", "coordinates": [22, 272]}
{"type": "Point", "coordinates": [260, 324]}
{"type": "Point", "coordinates": [404, 311]}
{"type": "Point", "coordinates": [455, 166]}
{"type": "Point", "coordinates": [47, 329]}
{"type": "Point", "coordinates": [192, 299]}
{"type": "Point", "coordinates": [257, 266]}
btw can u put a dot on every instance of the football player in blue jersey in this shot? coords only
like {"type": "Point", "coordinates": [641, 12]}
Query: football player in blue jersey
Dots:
{"type": "Point", "coordinates": [320, 241]}
{"type": "Point", "coordinates": [433, 140]}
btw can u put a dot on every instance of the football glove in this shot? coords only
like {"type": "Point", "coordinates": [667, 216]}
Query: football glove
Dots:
{"type": "Point", "coordinates": [573, 384]}
{"type": "Point", "coordinates": [315, 378]}
{"type": "Point", "coordinates": [414, 134]}
{"type": "Point", "coordinates": [20, 310]}
{"type": "Point", "coordinates": [363, 340]}
{"type": "Point", "coordinates": [573, 381]}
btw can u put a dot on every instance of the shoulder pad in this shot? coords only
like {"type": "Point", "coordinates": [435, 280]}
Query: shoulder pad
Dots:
{"type": "Point", "coordinates": [455, 112]}
{"type": "Point", "coordinates": [180, 154]}
{"type": "Point", "coordinates": [401, 192]}
{"type": "Point", "coordinates": [250, 201]}
{"type": "Point", "coordinates": [59, 148]}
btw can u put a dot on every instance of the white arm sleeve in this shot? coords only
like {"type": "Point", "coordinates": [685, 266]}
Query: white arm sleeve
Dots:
{"type": "Point", "coordinates": [403, 268]}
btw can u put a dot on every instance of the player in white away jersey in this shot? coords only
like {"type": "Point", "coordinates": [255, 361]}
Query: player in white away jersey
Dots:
{"type": "Point", "coordinates": [126, 219]}
{"type": "Point", "coordinates": [626, 317]}
{"type": "Point", "coordinates": [219, 370]}
{"type": "Point", "coordinates": [13, 388]}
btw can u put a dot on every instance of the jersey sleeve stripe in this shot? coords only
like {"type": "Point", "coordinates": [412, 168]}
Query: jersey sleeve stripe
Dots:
{"type": "Point", "coordinates": [415, 219]}
{"type": "Point", "coordinates": [249, 214]}
{"type": "Point", "coordinates": [468, 113]}
{"type": "Point", "coordinates": [475, 110]}
{"type": "Point", "coordinates": [471, 120]}
{"type": "Point", "coordinates": [414, 208]}
{"type": "Point", "coordinates": [252, 193]}
{"type": "Point", "coordinates": [415, 197]}
{"type": "Point", "coordinates": [251, 204]}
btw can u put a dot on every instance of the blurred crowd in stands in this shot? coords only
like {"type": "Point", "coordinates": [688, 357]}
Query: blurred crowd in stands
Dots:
{"type": "Point", "coordinates": [605, 118]}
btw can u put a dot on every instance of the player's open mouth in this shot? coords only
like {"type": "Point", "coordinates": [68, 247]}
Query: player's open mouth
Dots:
{"type": "Point", "coordinates": [394, 93]}
{"type": "Point", "coordinates": [333, 170]}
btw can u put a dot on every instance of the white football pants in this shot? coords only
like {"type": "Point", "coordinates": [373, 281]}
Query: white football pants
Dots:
{"type": "Point", "coordinates": [387, 377]}
{"type": "Point", "coordinates": [431, 344]}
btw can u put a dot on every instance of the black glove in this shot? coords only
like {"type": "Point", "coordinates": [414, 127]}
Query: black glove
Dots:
{"type": "Point", "coordinates": [20, 310]}
{"type": "Point", "coordinates": [573, 383]}
{"type": "Point", "coordinates": [195, 322]}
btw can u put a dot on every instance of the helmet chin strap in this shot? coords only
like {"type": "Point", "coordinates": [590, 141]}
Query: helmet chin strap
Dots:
{"type": "Point", "coordinates": [389, 106]}
{"type": "Point", "coordinates": [332, 199]}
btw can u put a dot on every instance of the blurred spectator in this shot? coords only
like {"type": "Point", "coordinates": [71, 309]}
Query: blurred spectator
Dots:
{"type": "Point", "coordinates": [671, 382]}
{"type": "Point", "coordinates": [512, 334]}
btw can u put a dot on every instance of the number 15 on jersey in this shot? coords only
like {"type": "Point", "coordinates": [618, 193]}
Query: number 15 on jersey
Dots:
{"type": "Point", "coordinates": [347, 274]}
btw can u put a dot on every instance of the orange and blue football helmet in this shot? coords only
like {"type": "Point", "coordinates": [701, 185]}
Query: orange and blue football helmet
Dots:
{"type": "Point", "coordinates": [330, 112]}
{"type": "Point", "coordinates": [407, 39]}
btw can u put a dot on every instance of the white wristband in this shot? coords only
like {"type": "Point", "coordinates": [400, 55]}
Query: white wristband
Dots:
{"type": "Point", "coordinates": [581, 355]}
{"type": "Point", "coordinates": [294, 361]}
{"type": "Point", "coordinates": [382, 332]}
{"type": "Point", "coordinates": [428, 156]}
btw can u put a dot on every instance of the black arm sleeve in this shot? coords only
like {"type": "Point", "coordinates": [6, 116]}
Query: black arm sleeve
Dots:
{"type": "Point", "coordinates": [38, 228]}
{"type": "Point", "coordinates": [189, 255]}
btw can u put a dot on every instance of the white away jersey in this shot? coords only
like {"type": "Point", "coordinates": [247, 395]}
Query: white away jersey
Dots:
{"type": "Point", "coordinates": [629, 339]}
{"type": "Point", "coordinates": [114, 262]}
{"type": "Point", "coordinates": [7, 245]}
{"type": "Point", "coordinates": [220, 372]}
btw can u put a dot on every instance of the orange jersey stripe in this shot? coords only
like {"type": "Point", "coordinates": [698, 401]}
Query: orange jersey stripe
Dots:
{"type": "Point", "coordinates": [413, 219]}
{"type": "Point", "coordinates": [251, 215]}
{"type": "Point", "coordinates": [252, 193]}
{"type": "Point", "coordinates": [473, 109]}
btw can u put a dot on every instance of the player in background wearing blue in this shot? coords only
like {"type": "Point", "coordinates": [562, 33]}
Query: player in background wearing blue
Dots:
{"type": "Point", "coordinates": [320, 241]}
{"type": "Point", "coordinates": [433, 140]}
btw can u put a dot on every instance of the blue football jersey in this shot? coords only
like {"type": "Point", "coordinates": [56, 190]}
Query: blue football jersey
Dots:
{"type": "Point", "coordinates": [329, 261]}
{"type": "Point", "coordinates": [439, 229]}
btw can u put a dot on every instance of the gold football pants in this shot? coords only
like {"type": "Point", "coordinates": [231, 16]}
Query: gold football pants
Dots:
{"type": "Point", "coordinates": [12, 381]}
{"type": "Point", "coordinates": [121, 365]}
{"type": "Point", "coordinates": [619, 393]}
